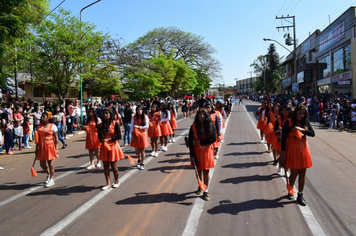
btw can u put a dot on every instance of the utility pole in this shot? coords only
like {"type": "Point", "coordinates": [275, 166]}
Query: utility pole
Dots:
{"type": "Point", "coordinates": [292, 25]}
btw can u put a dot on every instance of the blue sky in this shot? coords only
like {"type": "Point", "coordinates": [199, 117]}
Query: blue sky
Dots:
{"type": "Point", "coordinates": [235, 28]}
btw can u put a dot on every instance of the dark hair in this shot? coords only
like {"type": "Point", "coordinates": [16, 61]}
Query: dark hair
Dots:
{"type": "Point", "coordinates": [208, 124]}
{"type": "Point", "coordinates": [106, 123]}
{"type": "Point", "coordinates": [164, 109]}
{"type": "Point", "coordinates": [212, 108]}
{"type": "Point", "coordinates": [46, 114]}
{"type": "Point", "coordinates": [154, 105]}
{"type": "Point", "coordinates": [95, 117]}
{"type": "Point", "coordinates": [304, 122]}
{"type": "Point", "coordinates": [54, 109]}
{"type": "Point", "coordinates": [142, 116]}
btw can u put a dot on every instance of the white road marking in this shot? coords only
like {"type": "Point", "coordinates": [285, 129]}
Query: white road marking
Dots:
{"type": "Point", "coordinates": [194, 216]}
{"type": "Point", "coordinates": [306, 211]}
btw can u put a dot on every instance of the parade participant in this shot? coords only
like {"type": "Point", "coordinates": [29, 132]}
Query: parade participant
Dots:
{"type": "Point", "coordinates": [295, 153]}
{"type": "Point", "coordinates": [127, 124]}
{"type": "Point", "coordinates": [262, 116]}
{"type": "Point", "coordinates": [173, 122]}
{"type": "Point", "coordinates": [185, 108]}
{"type": "Point", "coordinates": [154, 129]}
{"type": "Point", "coordinates": [216, 118]}
{"type": "Point", "coordinates": [58, 120]}
{"type": "Point", "coordinates": [274, 114]}
{"type": "Point", "coordinates": [47, 147]}
{"type": "Point", "coordinates": [166, 128]}
{"type": "Point", "coordinates": [202, 135]}
{"type": "Point", "coordinates": [139, 138]}
{"type": "Point", "coordinates": [92, 140]}
{"type": "Point", "coordinates": [219, 108]}
{"type": "Point", "coordinates": [269, 126]}
{"type": "Point", "coordinates": [110, 152]}
{"type": "Point", "coordinates": [277, 137]}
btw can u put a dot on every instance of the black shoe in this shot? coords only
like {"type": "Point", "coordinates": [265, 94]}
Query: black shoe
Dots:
{"type": "Point", "coordinates": [289, 196]}
{"type": "Point", "coordinates": [300, 200]}
{"type": "Point", "coordinates": [186, 139]}
{"type": "Point", "coordinates": [138, 164]}
{"type": "Point", "coordinates": [64, 146]}
{"type": "Point", "coordinates": [199, 192]}
{"type": "Point", "coordinates": [275, 162]}
{"type": "Point", "coordinates": [206, 196]}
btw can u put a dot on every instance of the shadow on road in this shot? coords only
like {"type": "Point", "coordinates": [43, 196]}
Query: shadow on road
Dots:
{"type": "Point", "coordinates": [246, 165]}
{"type": "Point", "coordinates": [243, 153]}
{"type": "Point", "coordinates": [243, 143]}
{"type": "Point", "coordinates": [168, 169]}
{"type": "Point", "coordinates": [179, 154]}
{"type": "Point", "coordinates": [226, 207]}
{"type": "Point", "coordinates": [14, 186]}
{"type": "Point", "coordinates": [252, 178]}
{"type": "Point", "coordinates": [63, 191]}
{"type": "Point", "coordinates": [146, 198]}
{"type": "Point", "coordinates": [176, 160]}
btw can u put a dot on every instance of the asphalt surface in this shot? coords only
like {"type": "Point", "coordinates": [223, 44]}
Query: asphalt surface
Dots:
{"type": "Point", "coordinates": [247, 196]}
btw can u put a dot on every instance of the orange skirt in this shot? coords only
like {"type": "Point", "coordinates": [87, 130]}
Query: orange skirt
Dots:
{"type": "Point", "coordinates": [217, 142]}
{"type": "Point", "coordinates": [269, 132]}
{"type": "Point", "coordinates": [275, 144]}
{"type": "Point", "coordinates": [204, 156]}
{"type": "Point", "coordinates": [140, 139]}
{"type": "Point", "coordinates": [298, 154]}
{"type": "Point", "coordinates": [154, 130]}
{"type": "Point", "coordinates": [92, 140]}
{"type": "Point", "coordinates": [173, 124]}
{"type": "Point", "coordinates": [166, 128]}
{"type": "Point", "coordinates": [46, 151]}
{"type": "Point", "coordinates": [260, 124]}
{"type": "Point", "coordinates": [114, 155]}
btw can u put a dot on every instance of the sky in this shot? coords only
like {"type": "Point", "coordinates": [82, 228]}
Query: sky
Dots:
{"type": "Point", "coordinates": [235, 28]}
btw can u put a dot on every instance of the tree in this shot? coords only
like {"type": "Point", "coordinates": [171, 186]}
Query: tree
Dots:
{"type": "Point", "coordinates": [62, 45]}
{"type": "Point", "coordinates": [16, 17]}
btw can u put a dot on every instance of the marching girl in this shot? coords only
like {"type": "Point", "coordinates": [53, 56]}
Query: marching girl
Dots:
{"type": "Point", "coordinates": [154, 130]}
{"type": "Point", "coordinates": [295, 153]}
{"type": "Point", "coordinates": [285, 115]}
{"type": "Point", "coordinates": [261, 121]}
{"type": "Point", "coordinates": [47, 147]}
{"type": "Point", "coordinates": [166, 128]}
{"type": "Point", "coordinates": [220, 109]}
{"type": "Point", "coordinates": [275, 112]}
{"type": "Point", "coordinates": [216, 118]}
{"type": "Point", "coordinates": [202, 135]}
{"type": "Point", "coordinates": [92, 140]}
{"type": "Point", "coordinates": [139, 138]}
{"type": "Point", "coordinates": [110, 151]}
{"type": "Point", "coordinates": [269, 126]}
{"type": "Point", "coordinates": [173, 122]}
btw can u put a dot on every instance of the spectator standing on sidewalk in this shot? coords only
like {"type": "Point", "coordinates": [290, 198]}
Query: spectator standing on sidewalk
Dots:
{"type": "Point", "coordinates": [71, 112]}
{"type": "Point", "coordinates": [26, 132]}
{"type": "Point", "coordinates": [333, 117]}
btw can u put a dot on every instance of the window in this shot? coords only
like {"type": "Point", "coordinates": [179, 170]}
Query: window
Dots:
{"type": "Point", "coordinates": [347, 59]}
{"type": "Point", "coordinates": [310, 56]}
{"type": "Point", "coordinates": [342, 60]}
{"type": "Point", "coordinates": [324, 67]}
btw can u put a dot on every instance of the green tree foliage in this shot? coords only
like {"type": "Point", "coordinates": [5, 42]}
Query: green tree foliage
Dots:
{"type": "Point", "coordinates": [16, 16]}
{"type": "Point", "coordinates": [268, 71]}
{"type": "Point", "coordinates": [62, 44]}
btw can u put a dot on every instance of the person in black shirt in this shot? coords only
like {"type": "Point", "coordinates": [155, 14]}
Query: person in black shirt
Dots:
{"type": "Point", "coordinates": [127, 124]}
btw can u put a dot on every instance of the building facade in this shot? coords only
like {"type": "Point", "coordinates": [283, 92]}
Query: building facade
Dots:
{"type": "Point", "coordinates": [245, 86]}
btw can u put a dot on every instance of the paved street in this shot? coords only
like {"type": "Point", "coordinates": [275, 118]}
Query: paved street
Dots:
{"type": "Point", "coordinates": [247, 196]}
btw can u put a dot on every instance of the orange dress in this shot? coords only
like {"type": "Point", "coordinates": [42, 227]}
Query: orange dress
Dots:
{"type": "Point", "coordinates": [115, 153]}
{"type": "Point", "coordinates": [46, 147]}
{"type": "Point", "coordinates": [140, 137]}
{"type": "Point", "coordinates": [154, 130]}
{"type": "Point", "coordinates": [261, 123]}
{"type": "Point", "coordinates": [214, 120]}
{"type": "Point", "coordinates": [166, 128]}
{"type": "Point", "coordinates": [222, 112]}
{"type": "Point", "coordinates": [92, 140]}
{"type": "Point", "coordinates": [270, 128]}
{"type": "Point", "coordinates": [297, 151]}
{"type": "Point", "coordinates": [204, 155]}
{"type": "Point", "coordinates": [173, 120]}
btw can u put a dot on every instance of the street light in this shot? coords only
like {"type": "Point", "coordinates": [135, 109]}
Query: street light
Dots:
{"type": "Point", "coordinates": [266, 39]}
{"type": "Point", "coordinates": [80, 66]}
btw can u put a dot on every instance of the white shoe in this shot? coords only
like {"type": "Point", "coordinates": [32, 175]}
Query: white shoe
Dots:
{"type": "Point", "coordinates": [66, 137]}
{"type": "Point", "coordinates": [156, 154]}
{"type": "Point", "coordinates": [216, 157]}
{"type": "Point", "coordinates": [1, 168]}
{"type": "Point", "coordinates": [98, 165]}
{"type": "Point", "coordinates": [221, 141]}
{"type": "Point", "coordinates": [170, 140]}
{"type": "Point", "coordinates": [90, 167]}
{"type": "Point", "coordinates": [47, 179]}
{"type": "Point", "coordinates": [28, 147]}
{"type": "Point", "coordinates": [173, 140]}
{"type": "Point", "coordinates": [142, 167]}
{"type": "Point", "coordinates": [164, 148]}
{"type": "Point", "coordinates": [161, 148]}
{"type": "Point", "coordinates": [280, 171]}
{"type": "Point", "coordinates": [116, 184]}
{"type": "Point", "coordinates": [152, 153]}
{"type": "Point", "coordinates": [50, 183]}
{"type": "Point", "coordinates": [105, 188]}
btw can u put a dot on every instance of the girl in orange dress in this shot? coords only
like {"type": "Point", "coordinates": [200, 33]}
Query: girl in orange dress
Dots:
{"type": "Point", "coordinates": [166, 128]}
{"type": "Point", "coordinates": [139, 137]}
{"type": "Point", "coordinates": [221, 110]}
{"type": "Point", "coordinates": [110, 151]}
{"type": "Point", "coordinates": [281, 119]}
{"type": "Point", "coordinates": [295, 152]}
{"type": "Point", "coordinates": [173, 122]}
{"type": "Point", "coordinates": [267, 130]}
{"type": "Point", "coordinates": [154, 130]}
{"type": "Point", "coordinates": [47, 147]}
{"type": "Point", "coordinates": [202, 136]}
{"type": "Point", "coordinates": [262, 116]}
{"type": "Point", "coordinates": [216, 118]}
{"type": "Point", "coordinates": [92, 140]}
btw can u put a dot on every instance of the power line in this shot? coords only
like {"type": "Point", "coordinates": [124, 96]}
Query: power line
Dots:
{"type": "Point", "coordinates": [51, 12]}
